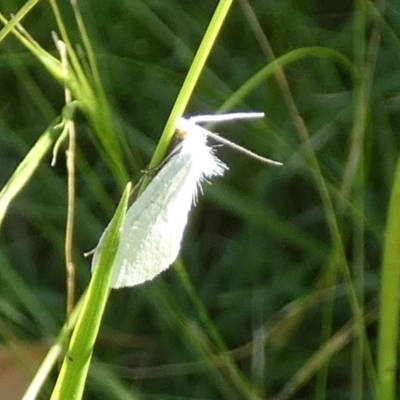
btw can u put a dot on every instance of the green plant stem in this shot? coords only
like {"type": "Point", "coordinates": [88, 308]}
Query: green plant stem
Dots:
{"type": "Point", "coordinates": [43, 372]}
{"type": "Point", "coordinates": [389, 298]}
{"type": "Point", "coordinates": [71, 380]}
{"type": "Point", "coordinates": [17, 18]}
{"type": "Point", "coordinates": [188, 86]}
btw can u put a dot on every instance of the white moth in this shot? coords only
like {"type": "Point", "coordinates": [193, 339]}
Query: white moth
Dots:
{"type": "Point", "coordinates": [151, 235]}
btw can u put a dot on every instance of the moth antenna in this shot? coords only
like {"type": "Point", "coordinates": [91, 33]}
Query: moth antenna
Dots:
{"type": "Point", "coordinates": [241, 149]}
{"type": "Point", "coordinates": [225, 117]}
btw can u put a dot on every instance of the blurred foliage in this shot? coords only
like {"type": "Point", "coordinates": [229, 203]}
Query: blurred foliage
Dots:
{"type": "Point", "coordinates": [266, 299]}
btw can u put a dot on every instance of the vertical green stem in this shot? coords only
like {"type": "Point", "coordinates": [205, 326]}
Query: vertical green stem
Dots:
{"type": "Point", "coordinates": [72, 378]}
{"type": "Point", "coordinates": [389, 298]}
{"type": "Point", "coordinates": [191, 79]}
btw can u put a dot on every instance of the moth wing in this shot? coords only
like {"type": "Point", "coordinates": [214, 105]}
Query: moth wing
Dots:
{"type": "Point", "coordinates": [152, 232]}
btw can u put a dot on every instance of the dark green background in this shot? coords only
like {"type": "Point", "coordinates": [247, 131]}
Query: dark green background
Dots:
{"type": "Point", "coordinates": [257, 246]}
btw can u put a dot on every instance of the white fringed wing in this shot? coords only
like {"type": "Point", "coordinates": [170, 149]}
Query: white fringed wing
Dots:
{"type": "Point", "coordinates": [152, 232]}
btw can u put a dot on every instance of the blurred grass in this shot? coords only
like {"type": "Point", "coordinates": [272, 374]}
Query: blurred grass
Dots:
{"type": "Point", "coordinates": [279, 277]}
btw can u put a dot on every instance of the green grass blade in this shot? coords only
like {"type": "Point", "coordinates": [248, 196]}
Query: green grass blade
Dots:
{"type": "Point", "coordinates": [71, 380]}
{"type": "Point", "coordinates": [17, 18]}
{"type": "Point", "coordinates": [389, 298]}
{"type": "Point", "coordinates": [52, 356]}
{"type": "Point", "coordinates": [283, 61]}
{"type": "Point", "coordinates": [191, 79]}
{"type": "Point", "coordinates": [26, 169]}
